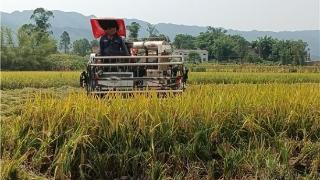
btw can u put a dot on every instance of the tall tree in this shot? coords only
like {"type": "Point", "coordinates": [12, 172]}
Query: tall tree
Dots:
{"type": "Point", "coordinates": [41, 29]}
{"type": "Point", "coordinates": [240, 47]}
{"type": "Point", "coordinates": [41, 18]}
{"type": "Point", "coordinates": [8, 50]}
{"type": "Point", "coordinates": [35, 43]}
{"type": "Point", "coordinates": [163, 37]}
{"type": "Point", "coordinates": [134, 28]}
{"type": "Point", "coordinates": [33, 50]}
{"type": "Point", "coordinates": [65, 41]}
{"type": "Point", "coordinates": [263, 47]}
{"type": "Point", "coordinates": [152, 30]}
{"type": "Point", "coordinates": [290, 52]}
{"type": "Point", "coordinates": [194, 57]}
{"type": "Point", "coordinates": [299, 52]}
{"type": "Point", "coordinates": [213, 40]}
{"type": "Point", "coordinates": [223, 48]}
{"type": "Point", "coordinates": [81, 47]}
{"type": "Point", "coordinates": [184, 41]}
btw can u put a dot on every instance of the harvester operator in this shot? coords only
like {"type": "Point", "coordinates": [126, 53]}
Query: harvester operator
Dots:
{"type": "Point", "coordinates": [111, 44]}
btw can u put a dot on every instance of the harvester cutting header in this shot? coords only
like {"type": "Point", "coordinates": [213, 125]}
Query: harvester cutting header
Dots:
{"type": "Point", "coordinates": [125, 67]}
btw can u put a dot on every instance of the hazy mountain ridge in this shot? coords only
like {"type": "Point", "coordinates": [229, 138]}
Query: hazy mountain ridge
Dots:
{"type": "Point", "coordinates": [80, 28]}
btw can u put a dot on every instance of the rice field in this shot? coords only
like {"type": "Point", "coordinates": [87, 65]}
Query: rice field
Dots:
{"type": "Point", "coordinates": [249, 68]}
{"type": "Point", "coordinates": [16, 80]}
{"type": "Point", "coordinates": [226, 125]}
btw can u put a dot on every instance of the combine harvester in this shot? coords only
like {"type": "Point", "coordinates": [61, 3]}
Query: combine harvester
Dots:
{"type": "Point", "coordinates": [150, 67]}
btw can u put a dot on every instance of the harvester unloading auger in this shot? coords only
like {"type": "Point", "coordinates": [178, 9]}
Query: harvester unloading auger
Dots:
{"type": "Point", "coordinates": [150, 67]}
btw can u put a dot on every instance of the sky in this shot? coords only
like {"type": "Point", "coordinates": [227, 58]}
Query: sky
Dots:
{"type": "Point", "coordinates": [273, 15]}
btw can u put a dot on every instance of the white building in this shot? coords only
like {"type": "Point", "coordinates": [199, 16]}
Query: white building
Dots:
{"type": "Point", "coordinates": [185, 53]}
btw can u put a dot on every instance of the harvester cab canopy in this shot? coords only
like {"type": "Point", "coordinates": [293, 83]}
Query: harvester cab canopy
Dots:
{"type": "Point", "coordinates": [99, 25]}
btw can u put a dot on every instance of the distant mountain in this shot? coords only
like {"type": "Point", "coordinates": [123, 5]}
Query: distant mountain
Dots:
{"type": "Point", "coordinates": [78, 26]}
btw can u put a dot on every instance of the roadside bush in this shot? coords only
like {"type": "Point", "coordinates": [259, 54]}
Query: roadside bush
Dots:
{"type": "Point", "coordinates": [66, 62]}
{"type": "Point", "coordinates": [198, 69]}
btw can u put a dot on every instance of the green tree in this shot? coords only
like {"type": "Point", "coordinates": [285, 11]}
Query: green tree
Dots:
{"type": "Point", "coordinates": [67, 62]}
{"type": "Point", "coordinates": [8, 50]}
{"type": "Point", "coordinates": [216, 30]}
{"type": "Point", "coordinates": [41, 18]}
{"type": "Point", "coordinates": [42, 26]}
{"type": "Point", "coordinates": [33, 50]}
{"type": "Point", "coordinates": [263, 47]}
{"type": "Point", "coordinates": [35, 42]}
{"type": "Point", "coordinates": [65, 42]}
{"type": "Point", "coordinates": [290, 52]}
{"type": "Point", "coordinates": [133, 28]}
{"type": "Point", "coordinates": [223, 48]}
{"type": "Point", "coordinates": [207, 40]}
{"type": "Point", "coordinates": [283, 52]}
{"type": "Point", "coordinates": [163, 37]}
{"type": "Point", "coordinates": [152, 30]}
{"type": "Point", "coordinates": [184, 41]}
{"type": "Point", "coordinates": [81, 47]}
{"type": "Point", "coordinates": [299, 52]}
{"type": "Point", "coordinates": [194, 57]}
{"type": "Point", "coordinates": [241, 47]}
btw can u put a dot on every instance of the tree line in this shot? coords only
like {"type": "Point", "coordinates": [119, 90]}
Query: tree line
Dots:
{"type": "Point", "coordinates": [33, 47]}
{"type": "Point", "coordinates": [223, 47]}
